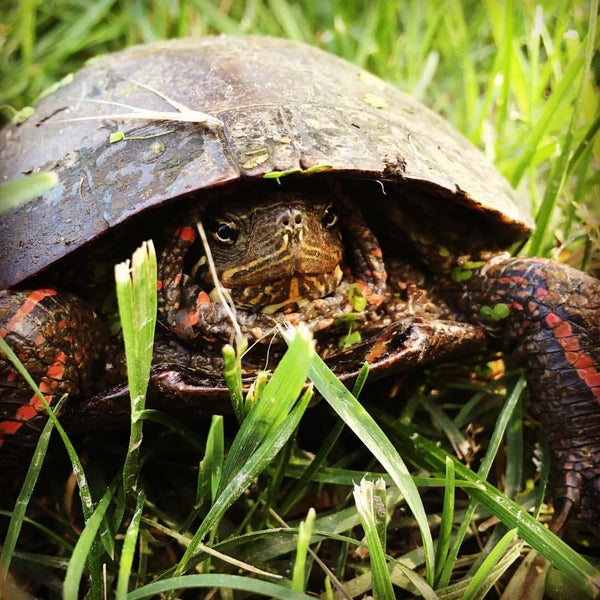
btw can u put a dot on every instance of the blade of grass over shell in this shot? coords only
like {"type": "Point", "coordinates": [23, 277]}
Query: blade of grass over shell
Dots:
{"type": "Point", "coordinates": [136, 294]}
{"type": "Point", "coordinates": [361, 422]}
{"type": "Point", "coordinates": [24, 189]}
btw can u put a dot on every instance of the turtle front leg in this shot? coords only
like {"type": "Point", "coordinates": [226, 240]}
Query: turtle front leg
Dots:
{"type": "Point", "coordinates": [61, 342]}
{"type": "Point", "coordinates": [364, 254]}
{"type": "Point", "coordinates": [548, 316]}
{"type": "Point", "coordinates": [186, 308]}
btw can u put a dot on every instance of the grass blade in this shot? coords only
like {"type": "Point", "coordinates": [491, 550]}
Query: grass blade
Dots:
{"type": "Point", "coordinates": [479, 580]}
{"type": "Point", "coordinates": [136, 294]}
{"type": "Point", "coordinates": [129, 544]}
{"type": "Point", "coordinates": [211, 467]}
{"type": "Point", "coordinates": [369, 498]}
{"type": "Point", "coordinates": [429, 456]}
{"type": "Point", "coordinates": [266, 429]}
{"type": "Point", "coordinates": [304, 535]}
{"type": "Point", "coordinates": [371, 435]}
{"type": "Point", "coordinates": [18, 191]}
{"type": "Point", "coordinates": [264, 589]}
{"type": "Point", "coordinates": [443, 541]}
{"type": "Point", "coordinates": [83, 548]}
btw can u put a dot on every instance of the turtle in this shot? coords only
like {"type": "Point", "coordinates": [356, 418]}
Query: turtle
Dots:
{"type": "Point", "coordinates": [302, 189]}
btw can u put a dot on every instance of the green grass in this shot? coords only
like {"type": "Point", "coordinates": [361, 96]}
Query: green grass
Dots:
{"type": "Point", "coordinates": [518, 79]}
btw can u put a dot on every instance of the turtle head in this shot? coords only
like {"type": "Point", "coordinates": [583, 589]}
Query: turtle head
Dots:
{"type": "Point", "coordinates": [274, 250]}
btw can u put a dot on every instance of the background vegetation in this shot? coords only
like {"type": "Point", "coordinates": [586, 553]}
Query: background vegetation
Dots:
{"type": "Point", "coordinates": [520, 79]}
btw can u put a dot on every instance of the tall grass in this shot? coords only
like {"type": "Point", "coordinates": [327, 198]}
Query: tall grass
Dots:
{"type": "Point", "coordinates": [222, 509]}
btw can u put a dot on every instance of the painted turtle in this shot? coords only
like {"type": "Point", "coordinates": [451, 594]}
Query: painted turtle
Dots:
{"type": "Point", "coordinates": [328, 198]}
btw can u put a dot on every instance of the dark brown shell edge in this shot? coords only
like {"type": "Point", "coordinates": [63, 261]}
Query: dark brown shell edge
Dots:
{"type": "Point", "coordinates": [284, 106]}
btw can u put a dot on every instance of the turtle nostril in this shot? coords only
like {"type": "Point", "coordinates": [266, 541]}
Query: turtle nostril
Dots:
{"type": "Point", "coordinates": [291, 218]}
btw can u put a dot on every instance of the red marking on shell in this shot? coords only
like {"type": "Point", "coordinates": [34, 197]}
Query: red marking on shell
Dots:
{"type": "Point", "coordinates": [37, 403]}
{"type": "Point", "coordinates": [562, 330]}
{"type": "Point", "coordinates": [590, 374]}
{"type": "Point", "coordinates": [39, 340]}
{"type": "Point", "coordinates": [571, 344]}
{"type": "Point", "coordinates": [541, 293]}
{"type": "Point", "coordinates": [515, 279]}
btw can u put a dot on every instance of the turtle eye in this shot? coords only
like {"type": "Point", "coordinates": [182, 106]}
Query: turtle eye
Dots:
{"type": "Point", "coordinates": [225, 232]}
{"type": "Point", "coordinates": [330, 217]}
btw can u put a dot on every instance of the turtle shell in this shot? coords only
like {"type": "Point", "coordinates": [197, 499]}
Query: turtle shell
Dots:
{"type": "Point", "coordinates": [273, 106]}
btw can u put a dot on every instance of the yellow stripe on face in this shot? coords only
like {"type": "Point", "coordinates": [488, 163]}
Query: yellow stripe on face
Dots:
{"type": "Point", "coordinates": [283, 250]}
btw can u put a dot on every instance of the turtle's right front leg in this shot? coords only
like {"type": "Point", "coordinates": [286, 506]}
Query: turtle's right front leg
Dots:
{"type": "Point", "coordinates": [187, 309]}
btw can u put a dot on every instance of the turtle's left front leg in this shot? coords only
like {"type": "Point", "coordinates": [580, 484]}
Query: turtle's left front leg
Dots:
{"type": "Point", "coordinates": [548, 317]}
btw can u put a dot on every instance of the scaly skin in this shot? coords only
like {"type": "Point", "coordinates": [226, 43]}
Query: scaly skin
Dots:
{"type": "Point", "coordinates": [552, 330]}
{"type": "Point", "coordinates": [61, 343]}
